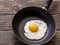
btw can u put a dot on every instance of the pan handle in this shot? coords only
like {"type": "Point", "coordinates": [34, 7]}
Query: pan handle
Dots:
{"type": "Point", "coordinates": [47, 4]}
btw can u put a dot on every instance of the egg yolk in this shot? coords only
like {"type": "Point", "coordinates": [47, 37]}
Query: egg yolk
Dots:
{"type": "Point", "coordinates": [33, 27]}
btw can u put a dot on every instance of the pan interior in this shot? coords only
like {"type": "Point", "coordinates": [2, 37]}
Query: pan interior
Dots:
{"type": "Point", "coordinates": [21, 29]}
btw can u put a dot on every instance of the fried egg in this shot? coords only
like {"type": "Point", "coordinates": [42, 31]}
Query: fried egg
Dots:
{"type": "Point", "coordinates": [35, 29]}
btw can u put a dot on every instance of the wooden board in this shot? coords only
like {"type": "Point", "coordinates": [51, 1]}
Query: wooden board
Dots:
{"type": "Point", "coordinates": [8, 38]}
{"type": "Point", "coordinates": [8, 8]}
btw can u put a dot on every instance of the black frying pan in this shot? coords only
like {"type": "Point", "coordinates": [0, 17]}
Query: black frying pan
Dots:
{"type": "Point", "coordinates": [34, 13]}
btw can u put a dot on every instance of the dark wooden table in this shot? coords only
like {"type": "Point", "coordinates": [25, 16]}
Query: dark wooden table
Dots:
{"type": "Point", "coordinates": [8, 8]}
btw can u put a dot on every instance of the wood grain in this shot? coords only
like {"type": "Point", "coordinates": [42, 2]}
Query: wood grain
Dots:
{"type": "Point", "coordinates": [10, 6]}
{"type": "Point", "coordinates": [8, 38]}
{"type": "Point", "coordinates": [8, 9]}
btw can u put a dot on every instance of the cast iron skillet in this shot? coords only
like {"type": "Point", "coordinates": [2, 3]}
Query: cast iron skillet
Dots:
{"type": "Point", "coordinates": [34, 13]}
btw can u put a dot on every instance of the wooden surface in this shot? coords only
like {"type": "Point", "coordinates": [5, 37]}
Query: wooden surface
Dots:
{"type": "Point", "coordinates": [8, 8]}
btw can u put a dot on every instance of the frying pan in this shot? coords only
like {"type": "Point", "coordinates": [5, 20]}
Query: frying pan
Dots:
{"type": "Point", "coordinates": [34, 13]}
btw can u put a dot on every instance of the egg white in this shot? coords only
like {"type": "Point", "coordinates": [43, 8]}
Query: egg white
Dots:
{"type": "Point", "coordinates": [42, 28]}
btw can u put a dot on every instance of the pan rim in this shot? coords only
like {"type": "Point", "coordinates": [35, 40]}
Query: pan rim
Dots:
{"type": "Point", "coordinates": [41, 43]}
